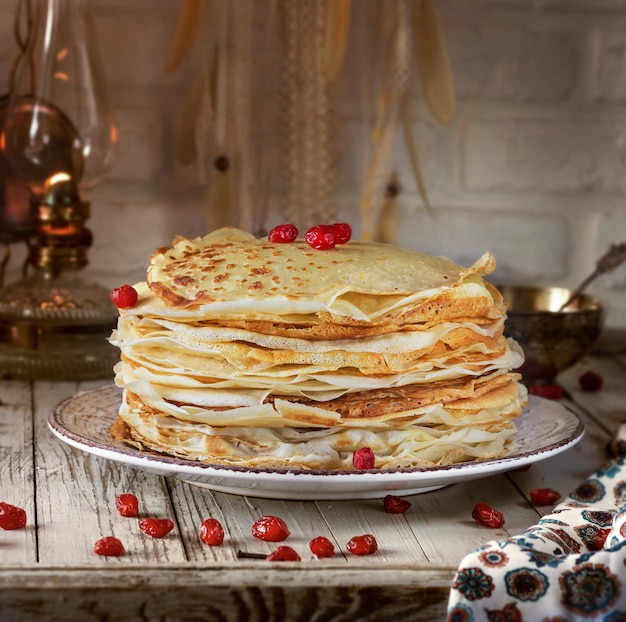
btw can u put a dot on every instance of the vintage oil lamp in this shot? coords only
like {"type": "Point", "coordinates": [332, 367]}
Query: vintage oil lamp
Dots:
{"type": "Point", "coordinates": [57, 132]}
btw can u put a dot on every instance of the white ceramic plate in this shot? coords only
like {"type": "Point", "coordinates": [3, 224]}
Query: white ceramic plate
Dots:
{"type": "Point", "coordinates": [545, 429]}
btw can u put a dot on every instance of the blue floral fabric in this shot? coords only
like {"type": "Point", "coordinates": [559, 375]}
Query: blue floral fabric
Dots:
{"type": "Point", "coordinates": [570, 566]}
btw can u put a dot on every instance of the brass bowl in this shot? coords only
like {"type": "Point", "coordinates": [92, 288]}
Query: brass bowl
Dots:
{"type": "Point", "coordinates": [552, 339]}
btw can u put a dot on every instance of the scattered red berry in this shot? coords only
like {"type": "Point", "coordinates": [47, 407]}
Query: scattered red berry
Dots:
{"type": "Point", "coordinates": [109, 546]}
{"type": "Point", "coordinates": [486, 516]}
{"type": "Point", "coordinates": [342, 232]}
{"type": "Point", "coordinates": [124, 296]}
{"type": "Point", "coordinates": [549, 391]}
{"type": "Point", "coordinates": [395, 505]}
{"type": "Point", "coordinates": [322, 547]}
{"type": "Point", "coordinates": [362, 545]}
{"type": "Point", "coordinates": [11, 517]}
{"type": "Point", "coordinates": [270, 529]}
{"type": "Point", "coordinates": [320, 237]}
{"type": "Point", "coordinates": [127, 505]}
{"type": "Point", "coordinates": [211, 532]}
{"type": "Point", "coordinates": [156, 527]}
{"type": "Point", "coordinates": [544, 496]}
{"type": "Point", "coordinates": [283, 234]}
{"type": "Point", "coordinates": [363, 459]}
{"type": "Point", "coordinates": [283, 554]}
{"type": "Point", "coordinates": [590, 381]}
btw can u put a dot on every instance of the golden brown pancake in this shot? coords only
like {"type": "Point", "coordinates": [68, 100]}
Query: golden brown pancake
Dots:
{"type": "Point", "coordinates": [245, 352]}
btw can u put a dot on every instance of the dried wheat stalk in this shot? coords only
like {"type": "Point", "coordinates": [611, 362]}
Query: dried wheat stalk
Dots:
{"type": "Point", "coordinates": [240, 97]}
{"type": "Point", "coordinates": [337, 32]}
{"type": "Point", "coordinates": [433, 62]}
{"type": "Point", "coordinates": [396, 75]}
{"type": "Point", "coordinates": [207, 76]}
{"type": "Point", "coordinates": [265, 148]}
{"type": "Point", "coordinates": [314, 37]}
{"type": "Point", "coordinates": [184, 35]}
{"type": "Point", "coordinates": [410, 145]}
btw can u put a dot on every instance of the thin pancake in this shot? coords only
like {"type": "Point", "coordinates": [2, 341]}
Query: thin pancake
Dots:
{"type": "Point", "coordinates": [327, 448]}
{"type": "Point", "coordinates": [244, 352]}
{"type": "Point", "coordinates": [231, 273]}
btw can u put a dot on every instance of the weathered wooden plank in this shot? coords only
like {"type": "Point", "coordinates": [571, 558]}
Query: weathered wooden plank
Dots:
{"type": "Point", "coordinates": [396, 540]}
{"type": "Point", "coordinates": [443, 523]}
{"type": "Point", "coordinates": [192, 505]}
{"type": "Point", "coordinates": [76, 498]}
{"type": "Point", "coordinates": [408, 578]}
{"type": "Point", "coordinates": [16, 469]}
{"type": "Point", "coordinates": [607, 406]}
{"type": "Point", "coordinates": [437, 528]}
{"type": "Point", "coordinates": [566, 470]}
{"type": "Point", "coordinates": [600, 413]}
{"type": "Point", "coordinates": [302, 517]}
{"type": "Point", "coordinates": [252, 592]}
{"type": "Point", "coordinates": [227, 604]}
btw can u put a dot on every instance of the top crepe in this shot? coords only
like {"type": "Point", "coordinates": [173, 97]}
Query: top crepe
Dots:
{"type": "Point", "coordinates": [232, 273]}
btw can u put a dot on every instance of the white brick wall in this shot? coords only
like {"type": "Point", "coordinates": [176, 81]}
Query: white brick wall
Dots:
{"type": "Point", "coordinates": [545, 154]}
{"type": "Point", "coordinates": [533, 168]}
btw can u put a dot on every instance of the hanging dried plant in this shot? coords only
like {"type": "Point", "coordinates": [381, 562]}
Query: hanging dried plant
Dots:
{"type": "Point", "coordinates": [410, 145]}
{"type": "Point", "coordinates": [396, 73]}
{"type": "Point", "coordinates": [433, 62]}
{"type": "Point", "coordinates": [223, 112]}
{"type": "Point", "coordinates": [185, 34]}
{"type": "Point", "coordinates": [337, 33]}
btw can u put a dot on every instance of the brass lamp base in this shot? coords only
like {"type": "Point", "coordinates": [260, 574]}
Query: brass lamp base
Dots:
{"type": "Point", "coordinates": [56, 329]}
{"type": "Point", "coordinates": [53, 324]}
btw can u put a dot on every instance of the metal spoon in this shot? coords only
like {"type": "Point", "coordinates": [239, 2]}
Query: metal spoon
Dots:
{"type": "Point", "coordinates": [608, 262]}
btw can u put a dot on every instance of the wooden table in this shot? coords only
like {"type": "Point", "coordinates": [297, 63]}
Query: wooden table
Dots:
{"type": "Point", "coordinates": [49, 572]}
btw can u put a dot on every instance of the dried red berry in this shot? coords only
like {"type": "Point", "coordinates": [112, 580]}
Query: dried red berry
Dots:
{"type": "Point", "coordinates": [211, 532]}
{"type": "Point", "coordinates": [127, 505]}
{"type": "Point", "coordinates": [124, 296]}
{"type": "Point", "coordinates": [283, 234]}
{"type": "Point", "coordinates": [11, 517]}
{"type": "Point", "coordinates": [549, 391]}
{"type": "Point", "coordinates": [270, 529]}
{"type": "Point", "coordinates": [544, 496]}
{"type": "Point", "coordinates": [320, 237]}
{"type": "Point", "coordinates": [395, 505]}
{"type": "Point", "coordinates": [109, 546]}
{"type": "Point", "coordinates": [363, 459]}
{"type": "Point", "coordinates": [283, 554]}
{"type": "Point", "coordinates": [486, 516]}
{"type": "Point", "coordinates": [156, 527]}
{"type": "Point", "coordinates": [322, 547]}
{"type": "Point", "coordinates": [362, 545]}
{"type": "Point", "coordinates": [342, 232]}
{"type": "Point", "coordinates": [590, 381]}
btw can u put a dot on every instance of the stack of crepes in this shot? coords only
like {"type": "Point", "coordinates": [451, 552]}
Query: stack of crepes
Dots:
{"type": "Point", "coordinates": [250, 353]}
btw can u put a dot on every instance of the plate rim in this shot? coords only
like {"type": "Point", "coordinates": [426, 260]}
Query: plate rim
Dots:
{"type": "Point", "coordinates": [182, 468]}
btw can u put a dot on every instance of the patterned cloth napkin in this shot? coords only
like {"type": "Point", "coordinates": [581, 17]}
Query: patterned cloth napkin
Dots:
{"type": "Point", "coordinates": [570, 566]}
